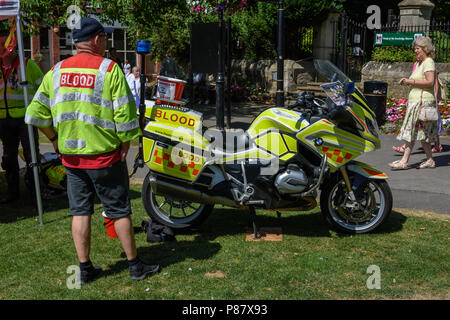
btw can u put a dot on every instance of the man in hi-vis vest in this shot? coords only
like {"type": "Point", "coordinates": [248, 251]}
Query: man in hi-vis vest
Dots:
{"type": "Point", "coordinates": [12, 111]}
{"type": "Point", "coordinates": [85, 107]}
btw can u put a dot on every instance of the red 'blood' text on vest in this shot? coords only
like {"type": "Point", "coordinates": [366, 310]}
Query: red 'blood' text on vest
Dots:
{"type": "Point", "coordinates": [77, 80]}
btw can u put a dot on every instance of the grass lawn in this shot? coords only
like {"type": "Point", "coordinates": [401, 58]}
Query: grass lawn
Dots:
{"type": "Point", "coordinates": [215, 262]}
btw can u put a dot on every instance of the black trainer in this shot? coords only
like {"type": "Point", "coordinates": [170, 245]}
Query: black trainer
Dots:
{"type": "Point", "coordinates": [90, 274]}
{"type": "Point", "coordinates": [140, 271]}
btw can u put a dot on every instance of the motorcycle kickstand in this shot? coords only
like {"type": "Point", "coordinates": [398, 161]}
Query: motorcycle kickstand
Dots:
{"type": "Point", "coordinates": [256, 234]}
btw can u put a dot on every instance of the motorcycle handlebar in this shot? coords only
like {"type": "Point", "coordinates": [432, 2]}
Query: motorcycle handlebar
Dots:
{"type": "Point", "coordinates": [305, 100]}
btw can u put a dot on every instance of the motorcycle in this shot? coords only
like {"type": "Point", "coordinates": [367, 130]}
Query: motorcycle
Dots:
{"type": "Point", "coordinates": [280, 163]}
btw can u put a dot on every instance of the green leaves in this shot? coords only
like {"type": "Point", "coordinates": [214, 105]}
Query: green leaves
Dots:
{"type": "Point", "coordinates": [393, 54]}
{"type": "Point", "coordinates": [42, 12]}
{"type": "Point", "coordinates": [308, 13]}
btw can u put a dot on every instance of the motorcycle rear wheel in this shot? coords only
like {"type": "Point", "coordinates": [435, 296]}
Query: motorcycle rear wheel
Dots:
{"type": "Point", "coordinates": [179, 214]}
{"type": "Point", "coordinates": [375, 207]}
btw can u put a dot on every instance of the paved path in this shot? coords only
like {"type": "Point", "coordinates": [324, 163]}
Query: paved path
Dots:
{"type": "Point", "coordinates": [427, 189]}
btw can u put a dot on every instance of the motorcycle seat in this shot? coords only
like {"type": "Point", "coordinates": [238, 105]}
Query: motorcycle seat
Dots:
{"type": "Point", "coordinates": [228, 141]}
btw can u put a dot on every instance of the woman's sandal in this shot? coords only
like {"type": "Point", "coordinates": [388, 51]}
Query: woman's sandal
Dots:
{"type": "Point", "coordinates": [399, 149]}
{"type": "Point", "coordinates": [437, 148]}
{"type": "Point", "coordinates": [427, 164]}
{"type": "Point", "coordinates": [398, 165]}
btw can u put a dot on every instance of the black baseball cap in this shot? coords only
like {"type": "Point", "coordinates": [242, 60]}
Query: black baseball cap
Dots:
{"type": "Point", "coordinates": [89, 29]}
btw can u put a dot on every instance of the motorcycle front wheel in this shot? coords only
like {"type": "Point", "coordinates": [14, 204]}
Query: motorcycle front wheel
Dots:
{"type": "Point", "coordinates": [373, 206]}
{"type": "Point", "coordinates": [179, 214]}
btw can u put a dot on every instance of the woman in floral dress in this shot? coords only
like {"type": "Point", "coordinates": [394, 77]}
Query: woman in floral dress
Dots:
{"type": "Point", "coordinates": [421, 93]}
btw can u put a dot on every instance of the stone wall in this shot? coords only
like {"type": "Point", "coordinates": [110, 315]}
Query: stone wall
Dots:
{"type": "Point", "coordinates": [393, 72]}
{"type": "Point", "coordinates": [262, 74]}
{"type": "Point", "coordinates": [300, 73]}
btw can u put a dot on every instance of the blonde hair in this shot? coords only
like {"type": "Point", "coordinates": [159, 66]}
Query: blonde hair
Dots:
{"type": "Point", "coordinates": [426, 44]}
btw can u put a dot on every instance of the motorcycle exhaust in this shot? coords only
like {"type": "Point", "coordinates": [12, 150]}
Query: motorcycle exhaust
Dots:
{"type": "Point", "coordinates": [165, 188]}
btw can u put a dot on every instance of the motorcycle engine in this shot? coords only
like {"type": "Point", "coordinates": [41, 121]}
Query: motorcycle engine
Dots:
{"type": "Point", "coordinates": [292, 180]}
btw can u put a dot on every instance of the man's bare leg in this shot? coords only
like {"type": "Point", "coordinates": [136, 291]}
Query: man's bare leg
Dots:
{"type": "Point", "coordinates": [125, 232]}
{"type": "Point", "coordinates": [81, 233]}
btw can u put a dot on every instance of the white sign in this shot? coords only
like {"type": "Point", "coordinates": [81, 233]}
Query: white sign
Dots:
{"type": "Point", "coordinates": [9, 8]}
{"type": "Point", "coordinates": [379, 38]}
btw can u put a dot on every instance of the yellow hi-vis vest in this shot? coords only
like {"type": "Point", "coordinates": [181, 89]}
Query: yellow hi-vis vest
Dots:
{"type": "Point", "coordinates": [12, 100]}
{"type": "Point", "coordinates": [91, 108]}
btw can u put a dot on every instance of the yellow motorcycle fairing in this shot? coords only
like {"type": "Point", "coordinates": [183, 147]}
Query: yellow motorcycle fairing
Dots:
{"type": "Point", "coordinates": [274, 130]}
{"type": "Point", "coordinates": [339, 145]}
{"type": "Point", "coordinates": [172, 140]}
{"type": "Point", "coordinates": [366, 170]}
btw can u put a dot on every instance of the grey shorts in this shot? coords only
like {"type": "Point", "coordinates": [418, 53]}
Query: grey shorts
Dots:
{"type": "Point", "coordinates": [110, 184]}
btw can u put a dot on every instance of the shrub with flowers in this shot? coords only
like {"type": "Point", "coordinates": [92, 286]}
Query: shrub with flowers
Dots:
{"type": "Point", "coordinates": [396, 110]}
{"type": "Point", "coordinates": [444, 108]}
{"type": "Point", "coordinates": [238, 93]}
{"type": "Point", "coordinates": [246, 92]}
{"type": "Point", "coordinates": [210, 6]}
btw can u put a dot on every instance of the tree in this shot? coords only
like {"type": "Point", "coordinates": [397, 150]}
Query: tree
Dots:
{"type": "Point", "coordinates": [166, 24]}
{"type": "Point", "coordinates": [39, 13]}
{"type": "Point", "coordinates": [162, 22]}
{"type": "Point", "coordinates": [256, 31]}
{"type": "Point", "coordinates": [257, 27]}
{"type": "Point", "coordinates": [441, 11]}
{"type": "Point", "coordinates": [254, 23]}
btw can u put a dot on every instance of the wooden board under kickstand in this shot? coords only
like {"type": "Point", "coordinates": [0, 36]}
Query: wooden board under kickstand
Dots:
{"type": "Point", "coordinates": [266, 234]}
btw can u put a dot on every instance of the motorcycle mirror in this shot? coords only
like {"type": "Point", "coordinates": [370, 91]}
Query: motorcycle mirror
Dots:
{"type": "Point", "coordinates": [309, 96]}
{"type": "Point", "coordinates": [350, 88]}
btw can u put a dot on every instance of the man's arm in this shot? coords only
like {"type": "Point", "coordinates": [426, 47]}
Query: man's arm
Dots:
{"type": "Point", "coordinates": [51, 134]}
{"type": "Point", "coordinates": [124, 147]}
